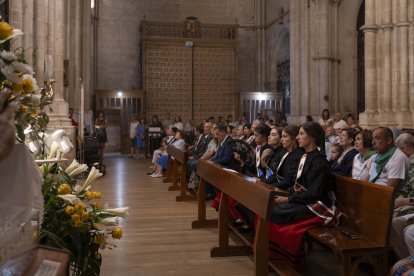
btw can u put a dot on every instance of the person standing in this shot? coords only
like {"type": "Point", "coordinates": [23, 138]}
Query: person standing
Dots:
{"type": "Point", "coordinates": [100, 131]}
{"type": "Point", "coordinates": [140, 138]}
{"type": "Point", "coordinates": [132, 133]}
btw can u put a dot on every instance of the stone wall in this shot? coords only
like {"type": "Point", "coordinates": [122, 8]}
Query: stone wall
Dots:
{"type": "Point", "coordinates": [118, 64]}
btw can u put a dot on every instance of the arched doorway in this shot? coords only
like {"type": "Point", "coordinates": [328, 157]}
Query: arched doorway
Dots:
{"type": "Point", "coordinates": [360, 59]}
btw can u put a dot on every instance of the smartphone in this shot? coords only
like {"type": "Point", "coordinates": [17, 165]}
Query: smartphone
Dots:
{"type": "Point", "coordinates": [352, 235]}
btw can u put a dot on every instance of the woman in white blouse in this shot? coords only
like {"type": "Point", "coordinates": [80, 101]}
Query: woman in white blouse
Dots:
{"type": "Point", "coordinates": [363, 160]}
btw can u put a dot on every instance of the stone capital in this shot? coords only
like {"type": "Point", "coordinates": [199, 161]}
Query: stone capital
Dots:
{"type": "Point", "coordinates": [369, 28]}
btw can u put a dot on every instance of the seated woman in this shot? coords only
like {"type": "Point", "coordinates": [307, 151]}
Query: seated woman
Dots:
{"type": "Point", "coordinates": [284, 173]}
{"type": "Point", "coordinates": [363, 160]}
{"type": "Point", "coordinates": [402, 230]}
{"type": "Point", "coordinates": [170, 131]}
{"type": "Point", "coordinates": [344, 164]}
{"type": "Point", "coordinates": [161, 163]}
{"type": "Point", "coordinates": [313, 185]}
{"type": "Point", "coordinates": [262, 152]}
{"type": "Point", "coordinates": [274, 140]}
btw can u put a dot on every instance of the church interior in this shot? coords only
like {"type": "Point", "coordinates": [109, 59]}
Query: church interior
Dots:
{"type": "Point", "coordinates": [279, 136]}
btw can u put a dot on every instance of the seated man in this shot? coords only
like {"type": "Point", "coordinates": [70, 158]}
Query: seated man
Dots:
{"type": "Point", "coordinates": [390, 165]}
{"type": "Point", "coordinates": [203, 138]}
{"type": "Point", "coordinates": [224, 157]}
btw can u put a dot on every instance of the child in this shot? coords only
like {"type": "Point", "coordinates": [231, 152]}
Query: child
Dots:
{"type": "Point", "coordinates": [330, 139]}
{"type": "Point", "coordinates": [335, 153]}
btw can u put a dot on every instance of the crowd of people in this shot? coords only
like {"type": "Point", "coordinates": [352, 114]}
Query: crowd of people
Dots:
{"type": "Point", "coordinates": [301, 160]}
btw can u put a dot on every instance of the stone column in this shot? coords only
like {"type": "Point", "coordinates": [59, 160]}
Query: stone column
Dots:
{"type": "Point", "coordinates": [323, 55]}
{"type": "Point", "coordinates": [261, 45]}
{"type": "Point", "coordinates": [40, 38]}
{"type": "Point", "coordinates": [386, 54]}
{"type": "Point", "coordinates": [59, 118]}
{"type": "Point", "coordinates": [370, 33]}
{"type": "Point", "coordinates": [403, 115]}
{"type": "Point", "coordinates": [28, 30]}
{"type": "Point", "coordinates": [295, 62]}
{"type": "Point", "coordinates": [411, 55]}
{"type": "Point", "coordinates": [15, 20]}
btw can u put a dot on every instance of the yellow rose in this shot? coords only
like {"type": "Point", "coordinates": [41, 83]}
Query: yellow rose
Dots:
{"type": "Point", "coordinates": [5, 30]}
{"type": "Point", "coordinates": [75, 217]}
{"type": "Point", "coordinates": [17, 87]}
{"type": "Point", "coordinates": [27, 86]}
{"type": "Point", "coordinates": [117, 233]}
{"type": "Point", "coordinates": [34, 113]}
{"type": "Point", "coordinates": [42, 168]}
{"type": "Point", "coordinates": [89, 194]}
{"type": "Point", "coordinates": [69, 209]}
{"type": "Point", "coordinates": [96, 204]}
{"type": "Point", "coordinates": [84, 215]}
{"type": "Point", "coordinates": [79, 207]}
{"type": "Point", "coordinates": [78, 223]}
{"type": "Point", "coordinates": [24, 108]}
{"type": "Point", "coordinates": [99, 239]}
{"type": "Point", "coordinates": [64, 189]}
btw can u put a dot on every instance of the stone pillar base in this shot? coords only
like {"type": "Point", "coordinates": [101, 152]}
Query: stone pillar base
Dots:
{"type": "Point", "coordinates": [296, 119]}
{"type": "Point", "coordinates": [369, 119]}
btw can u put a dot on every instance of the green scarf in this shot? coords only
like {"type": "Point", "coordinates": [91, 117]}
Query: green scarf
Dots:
{"type": "Point", "coordinates": [380, 161]}
{"type": "Point", "coordinates": [370, 153]}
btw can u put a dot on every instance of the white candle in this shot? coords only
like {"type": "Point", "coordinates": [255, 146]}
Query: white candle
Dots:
{"type": "Point", "coordinates": [48, 67]}
{"type": "Point", "coordinates": [82, 111]}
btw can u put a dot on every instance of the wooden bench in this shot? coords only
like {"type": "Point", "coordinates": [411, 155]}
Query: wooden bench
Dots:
{"type": "Point", "coordinates": [367, 211]}
{"type": "Point", "coordinates": [179, 171]}
{"type": "Point", "coordinates": [256, 196]}
{"type": "Point", "coordinates": [366, 208]}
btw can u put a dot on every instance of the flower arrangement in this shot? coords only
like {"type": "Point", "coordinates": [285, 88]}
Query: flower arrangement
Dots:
{"type": "Point", "coordinates": [17, 77]}
{"type": "Point", "coordinates": [74, 218]}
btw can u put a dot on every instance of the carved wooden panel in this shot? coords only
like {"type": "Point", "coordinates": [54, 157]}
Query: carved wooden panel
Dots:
{"type": "Point", "coordinates": [168, 81]}
{"type": "Point", "coordinates": [214, 81]}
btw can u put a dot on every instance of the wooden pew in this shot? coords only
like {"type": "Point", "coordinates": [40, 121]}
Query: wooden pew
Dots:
{"type": "Point", "coordinates": [258, 197]}
{"type": "Point", "coordinates": [179, 170]}
{"type": "Point", "coordinates": [367, 211]}
{"type": "Point", "coordinates": [168, 173]}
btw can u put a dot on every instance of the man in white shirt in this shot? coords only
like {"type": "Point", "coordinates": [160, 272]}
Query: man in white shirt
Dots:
{"type": "Point", "coordinates": [390, 165]}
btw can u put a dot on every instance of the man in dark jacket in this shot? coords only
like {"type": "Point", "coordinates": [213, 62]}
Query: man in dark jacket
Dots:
{"type": "Point", "coordinates": [200, 147]}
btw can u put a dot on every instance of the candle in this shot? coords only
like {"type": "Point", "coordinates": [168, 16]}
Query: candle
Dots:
{"type": "Point", "coordinates": [82, 111]}
{"type": "Point", "coordinates": [48, 67]}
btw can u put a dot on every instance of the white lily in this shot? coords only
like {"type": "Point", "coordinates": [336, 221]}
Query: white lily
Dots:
{"type": "Point", "coordinates": [120, 212]}
{"type": "Point", "coordinates": [75, 164]}
{"type": "Point", "coordinates": [71, 199]}
{"type": "Point", "coordinates": [93, 174]}
{"type": "Point", "coordinates": [82, 168]}
{"type": "Point", "coordinates": [114, 221]}
{"type": "Point", "coordinates": [53, 149]}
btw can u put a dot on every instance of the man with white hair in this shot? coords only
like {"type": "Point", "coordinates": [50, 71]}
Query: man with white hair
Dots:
{"type": "Point", "coordinates": [339, 123]}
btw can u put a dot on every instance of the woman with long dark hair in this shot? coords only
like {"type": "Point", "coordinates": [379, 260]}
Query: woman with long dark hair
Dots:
{"type": "Point", "coordinates": [295, 211]}
{"type": "Point", "coordinates": [283, 174]}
